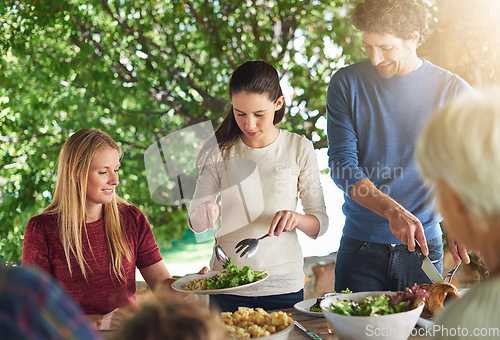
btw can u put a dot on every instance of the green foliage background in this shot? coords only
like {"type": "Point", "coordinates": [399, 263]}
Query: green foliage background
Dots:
{"type": "Point", "coordinates": [142, 69]}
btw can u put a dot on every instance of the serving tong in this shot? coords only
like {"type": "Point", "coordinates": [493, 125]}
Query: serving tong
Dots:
{"type": "Point", "coordinates": [220, 254]}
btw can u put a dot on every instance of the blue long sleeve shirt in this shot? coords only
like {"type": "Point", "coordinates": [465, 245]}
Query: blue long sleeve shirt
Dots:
{"type": "Point", "coordinates": [372, 126]}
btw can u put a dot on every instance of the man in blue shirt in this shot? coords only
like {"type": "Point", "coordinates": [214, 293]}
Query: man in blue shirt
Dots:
{"type": "Point", "coordinates": [375, 111]}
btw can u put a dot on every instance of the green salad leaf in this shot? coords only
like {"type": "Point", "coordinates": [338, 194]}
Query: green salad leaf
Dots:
{"type": "Point", "coordinates": [233, 276]}
{"type": "Point", "coordinates": [316, 308]}
{"type": "Point", "coordinates": [384, 304]}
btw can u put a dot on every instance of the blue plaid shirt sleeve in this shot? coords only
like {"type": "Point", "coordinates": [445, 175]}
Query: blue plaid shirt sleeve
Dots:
{"type": "Point", "coordinates": [34, 306]}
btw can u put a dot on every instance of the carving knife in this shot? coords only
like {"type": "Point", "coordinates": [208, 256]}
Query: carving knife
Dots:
{"type": "Point", "coordinates": [427, 266]}
{"type": "Point", "coordinates": [305, 330]}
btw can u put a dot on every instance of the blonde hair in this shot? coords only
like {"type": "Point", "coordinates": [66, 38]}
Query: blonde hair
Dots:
{"type": "Point", "coordinates": [70, 198]}
{"type": "Point", "coordinates": [461, 145]}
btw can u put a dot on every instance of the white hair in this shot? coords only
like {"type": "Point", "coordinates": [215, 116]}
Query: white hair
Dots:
{"type": "Point", "coordinates": [461, 145]}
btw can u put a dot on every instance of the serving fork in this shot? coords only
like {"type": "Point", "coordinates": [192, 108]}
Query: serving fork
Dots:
{"type": "Point", "coordinates": [249, 246]}
{"type": "Point", "coordinates": [449, 275]}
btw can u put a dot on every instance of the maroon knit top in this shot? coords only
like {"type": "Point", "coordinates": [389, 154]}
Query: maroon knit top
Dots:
{"type": "Point", "coordinates": [102, 292]}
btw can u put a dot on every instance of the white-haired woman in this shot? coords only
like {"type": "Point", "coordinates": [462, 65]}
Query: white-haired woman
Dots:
{"type": "Point", "coordinates": [458, 153]}
{"type": "Point", "coordinates": [89, 238]}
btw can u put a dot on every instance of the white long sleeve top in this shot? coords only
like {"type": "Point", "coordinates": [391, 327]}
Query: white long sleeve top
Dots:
{"type": "Point", "coordinates": [253, 184]}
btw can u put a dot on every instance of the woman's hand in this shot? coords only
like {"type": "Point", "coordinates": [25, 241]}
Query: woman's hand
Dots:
{"type": "Point", "coordinates": [204, 270]}
{"type": "Point", "coordinates": [165, 290]}
{"type": "Point", "coordinates": [204, 216]}
{"type": "Point", "coordinates": [287, 220]}
{"type": "Point", "coordinates": [283, 221]}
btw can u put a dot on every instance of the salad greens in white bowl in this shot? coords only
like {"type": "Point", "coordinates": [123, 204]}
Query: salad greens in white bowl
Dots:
{"type": "Point", "coordinates": [372, 315]}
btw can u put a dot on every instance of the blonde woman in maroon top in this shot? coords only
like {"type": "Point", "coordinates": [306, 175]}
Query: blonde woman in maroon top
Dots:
{"type": "Point", "coordinates": [89, 238]}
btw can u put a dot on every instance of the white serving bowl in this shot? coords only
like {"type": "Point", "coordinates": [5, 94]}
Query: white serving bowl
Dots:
{"type": "Point", "coordinates": [392, 326]}
{"type": "Point", "coordinates": [281, 335]}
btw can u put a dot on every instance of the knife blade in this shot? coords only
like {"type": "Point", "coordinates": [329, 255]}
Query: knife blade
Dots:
{"type": "Point", "coordinates": [427, 266]}
{"type": "Point", "coordinates": [305, 330]}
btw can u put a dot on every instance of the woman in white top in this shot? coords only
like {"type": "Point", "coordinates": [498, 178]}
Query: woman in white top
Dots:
{"type": "Point", "coordinates": [257, 172]}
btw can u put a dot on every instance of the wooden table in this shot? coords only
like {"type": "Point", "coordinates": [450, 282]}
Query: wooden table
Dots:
{"type": "Point", "coordinates": [313, 323]}
{"type": "Point", "coordinates": [316, 325]}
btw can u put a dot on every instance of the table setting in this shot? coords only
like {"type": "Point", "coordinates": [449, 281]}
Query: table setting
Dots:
{"type": "Point", "coordinates": [318, 318]}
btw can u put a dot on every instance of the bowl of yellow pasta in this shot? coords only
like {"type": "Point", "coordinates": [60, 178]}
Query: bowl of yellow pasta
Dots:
{"type": "Point", "coordinates": [248, 323]}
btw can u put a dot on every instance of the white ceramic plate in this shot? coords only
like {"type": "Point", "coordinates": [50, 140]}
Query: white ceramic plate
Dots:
{"type": "Point", "coordinates": [303, 306]}
{"type": "Point", "coordinates": [179, 284]}
{"type": "Point", "coordinates": [425, 323]}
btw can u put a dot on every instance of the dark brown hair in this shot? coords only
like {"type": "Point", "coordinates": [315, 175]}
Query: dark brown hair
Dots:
{"type": "Point", "coordinates": [255, 76]}
{"type": "Point", "coordinates": [397, 17]}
